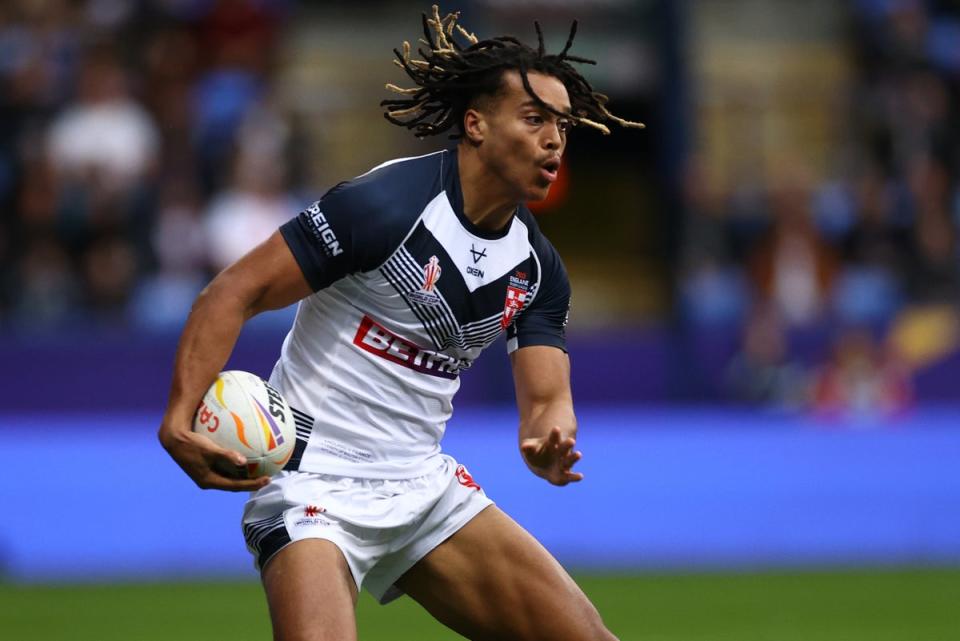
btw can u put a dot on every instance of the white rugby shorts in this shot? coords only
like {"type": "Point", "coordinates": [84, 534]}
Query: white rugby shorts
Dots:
{"type": "Point", "coordinates": [383, 527]}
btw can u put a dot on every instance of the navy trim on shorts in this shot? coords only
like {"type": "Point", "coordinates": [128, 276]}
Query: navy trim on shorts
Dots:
{"type": "Point", "coordinates": [303, 423]}
{"type": "Point", "coordinates": [274, 541]}
{"type": "Point", "coordinates": [265, 538]}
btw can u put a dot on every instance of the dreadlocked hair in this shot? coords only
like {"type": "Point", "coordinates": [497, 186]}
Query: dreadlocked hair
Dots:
{"type": "Point", "coordinates": [449, 76]}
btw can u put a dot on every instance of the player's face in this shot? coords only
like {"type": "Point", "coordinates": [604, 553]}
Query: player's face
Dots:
{"type": "Point", "coordinates": [525, 142]}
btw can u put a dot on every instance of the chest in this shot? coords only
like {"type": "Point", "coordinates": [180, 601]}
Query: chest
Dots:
{"type": "Point", "coordinates": [464, 291]}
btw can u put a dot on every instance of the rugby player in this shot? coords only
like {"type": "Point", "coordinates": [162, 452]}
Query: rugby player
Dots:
{"type": "Point", "coordinates": [403, 276]}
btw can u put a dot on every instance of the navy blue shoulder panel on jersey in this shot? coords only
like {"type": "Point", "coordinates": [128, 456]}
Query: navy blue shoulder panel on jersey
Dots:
{"type": "Point", "coordinates": [359, 223]}
{"type": "Point", "coordinates": [544, 321]}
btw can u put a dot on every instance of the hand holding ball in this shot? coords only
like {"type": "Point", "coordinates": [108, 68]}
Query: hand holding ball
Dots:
{"type": "Point", "coordinates": [242, 412]}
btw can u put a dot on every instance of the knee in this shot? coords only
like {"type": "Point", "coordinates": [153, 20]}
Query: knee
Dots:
{"type": "Point", "coordinates": [605, 635]}
{"type": "Point", "coordinates": [312, 635]}
{"type": "Point", "coordinates": [589, 627]}
{"type": "Point", "coordinates": [600, 632]}
{"type": "Point", "coordinates": [596, 630]}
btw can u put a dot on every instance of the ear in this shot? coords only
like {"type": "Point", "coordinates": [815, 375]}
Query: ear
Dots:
{"type": "Point", "coordinates": [474, 126]}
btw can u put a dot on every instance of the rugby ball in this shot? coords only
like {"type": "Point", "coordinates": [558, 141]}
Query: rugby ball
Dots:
{"type": "Point", "coordinates": [242, 412]}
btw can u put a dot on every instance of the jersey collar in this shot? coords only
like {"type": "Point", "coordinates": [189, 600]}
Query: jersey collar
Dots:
{"type": "Point", "coordinates": [451, 184]}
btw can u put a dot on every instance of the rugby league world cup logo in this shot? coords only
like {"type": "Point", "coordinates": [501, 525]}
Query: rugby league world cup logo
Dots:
{"type": "Point", "coordinates": [431, 274]}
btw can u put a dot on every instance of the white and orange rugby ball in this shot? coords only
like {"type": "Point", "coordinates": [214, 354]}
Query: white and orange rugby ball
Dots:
{"type": "Point", "coordinates": [242, 412]}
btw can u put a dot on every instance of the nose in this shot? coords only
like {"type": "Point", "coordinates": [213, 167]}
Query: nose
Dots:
{"type": "Point", "coordinates": [552, 139]}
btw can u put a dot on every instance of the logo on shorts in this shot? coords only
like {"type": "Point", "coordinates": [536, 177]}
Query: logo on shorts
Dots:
{"type": "Point", "coordinates": [311, 516]}
{"type": "Point", "coordinates": [313, 510]}
{"type": "Point", "coordinates": [431, 274]}
{"type": "Point", "coordinates": [464, 478]}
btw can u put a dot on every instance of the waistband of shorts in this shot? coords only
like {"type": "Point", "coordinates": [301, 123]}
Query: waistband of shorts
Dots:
{"type": "Point", "coordinates": [378, 471]}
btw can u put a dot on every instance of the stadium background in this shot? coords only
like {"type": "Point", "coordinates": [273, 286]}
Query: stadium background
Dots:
{"type": "Point", "coordinates": [764, 330]}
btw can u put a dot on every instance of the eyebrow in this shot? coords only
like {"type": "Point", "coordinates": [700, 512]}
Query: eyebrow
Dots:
{"type": "Point", "coordinates": [568, 112]}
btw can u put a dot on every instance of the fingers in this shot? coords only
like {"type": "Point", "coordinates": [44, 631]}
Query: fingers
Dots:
{"type": "Point", "coordinates": [532, 452]}
{"type": "Point", "coordinates": [565, 474]}
{"type": "Point", "coordinates": [531, 446]}
{"type": "Point", "coordinates": [566, 457]}
{"type": "Point", "coordinates": [215, 454]}
{"type": "Point", "coordinates": [228, 458]}
{"type": "Point", "coordinates": [570, 459]}
{"type": "Point", "coordinates": [552, 457]}
{"type": "Point", "coordinates": [213, 467]}
{"type": "Point", "coordinates": [562, 445]}
{"type": "Point", "coordinates": [216, 481]}
{"type": "Point", "coordinates": [565, 478]}
{"type": "Point", "coordinates": [554, 437]}
{"type": "Point", "coordinates": [552, 446]}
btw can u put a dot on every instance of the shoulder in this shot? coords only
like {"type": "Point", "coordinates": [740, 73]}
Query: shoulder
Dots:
{"type": "Point", "coordinates": [356, 225]}
{"type": "Point", "coordinates": [544, 251]}
{"type": "Point", "coordinates": [394, 189]}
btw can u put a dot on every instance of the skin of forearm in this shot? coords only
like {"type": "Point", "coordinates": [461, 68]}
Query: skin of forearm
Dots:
{"type": "Point", "coordinates": [544, 417]}
{"type": "Point", "coordinates": [208, 338]}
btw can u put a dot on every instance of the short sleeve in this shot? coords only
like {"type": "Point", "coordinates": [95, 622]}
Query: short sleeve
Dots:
{"type": "Point", "coordinates": [338, 235]}
{"type": "Point", "coordinates": [544, 322]}
{"type": "Point", "coordinates": [359, 223]}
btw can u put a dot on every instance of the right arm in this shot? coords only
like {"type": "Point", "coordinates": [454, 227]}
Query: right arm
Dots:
{"type": "Point", "coordinates": [353, 228]}
{"type": "Point", "coordinates": [267, 278]}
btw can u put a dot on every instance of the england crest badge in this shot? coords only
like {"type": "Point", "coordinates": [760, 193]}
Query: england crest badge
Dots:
{"type": "Point", "coordinates": [516, 296]}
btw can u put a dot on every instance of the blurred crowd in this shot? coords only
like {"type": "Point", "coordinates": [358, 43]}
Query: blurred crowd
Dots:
{"type": "Point", "coordinates": [143, 148]}
{"type": "Point", "coordinates": [859, 260]}
{"type": "Point", "coordinates": [140, 151]}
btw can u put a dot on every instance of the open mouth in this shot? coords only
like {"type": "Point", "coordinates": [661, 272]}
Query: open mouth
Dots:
{"type": "Point", "coordinates": [550, 169]}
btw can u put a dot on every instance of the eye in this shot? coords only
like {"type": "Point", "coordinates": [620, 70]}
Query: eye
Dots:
{"type": "Point", "coordinates": [534, 119]}
{"type": "Point", "coordinates": [564, 125]}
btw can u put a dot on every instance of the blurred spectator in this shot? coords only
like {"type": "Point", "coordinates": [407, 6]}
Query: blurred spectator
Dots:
{"type": "Point", "coordinates": [934, 272]}
{"type": "Point", "coordinates": [179, 240]}
{"type": "Point", "coordinates": [143, 146]}
{"type": "Point", "coordinates": [862, 380]}
{"type": "Point", "coordinates": [713, 291]}
{"type": "Point", "coordinates": [171, 57]}
{"type": "Point", "coordinates": [82, 160]}
{"type": "Point", "coordinates": [762, 372]}
{"type": "Point", "coordinates": [869, 288]}
{"type": "Point", "coordinates": [48, 292]}
{"type": "Point", "coordinates": [110, 270]}
{"type": "Point", "coordinates": [237, 38]}
{"type": "Point", "coordinates": [793, 267]}
{"type": "Point", "coordinates": [163, 299]}
{"type": "Point", "coordinates": [105, 139]}
{"type": "Point", "coordinates": [251, 209]}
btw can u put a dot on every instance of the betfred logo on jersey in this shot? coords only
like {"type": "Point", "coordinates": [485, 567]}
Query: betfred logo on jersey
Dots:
{"type": "Point", "coordinates": [378, 340]}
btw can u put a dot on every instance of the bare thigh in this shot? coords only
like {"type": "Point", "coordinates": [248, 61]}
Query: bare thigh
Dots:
{"type": "Point", "coordinates": [493, 580]}
{"type": "Point", "coordinates": [311, 593]}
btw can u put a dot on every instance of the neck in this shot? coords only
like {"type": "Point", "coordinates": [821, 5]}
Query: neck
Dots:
{"type": "Point", "coordinates": [487, 201]}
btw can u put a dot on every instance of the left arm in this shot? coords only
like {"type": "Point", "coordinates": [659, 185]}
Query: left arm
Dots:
{"type": "Point", "coordinates": [548, 427]}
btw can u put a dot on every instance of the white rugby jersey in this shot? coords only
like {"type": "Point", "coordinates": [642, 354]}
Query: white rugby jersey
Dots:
{"type": "Point", "coordinates": [407, 294]}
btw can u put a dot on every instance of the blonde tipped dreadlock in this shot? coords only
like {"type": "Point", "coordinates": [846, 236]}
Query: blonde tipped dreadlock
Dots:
{"type": "Point", "coordinates": [449, 77]}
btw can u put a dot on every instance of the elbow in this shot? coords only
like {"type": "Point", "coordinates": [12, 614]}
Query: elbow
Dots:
{"type": "Point", "coordinates": [226, 294]}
